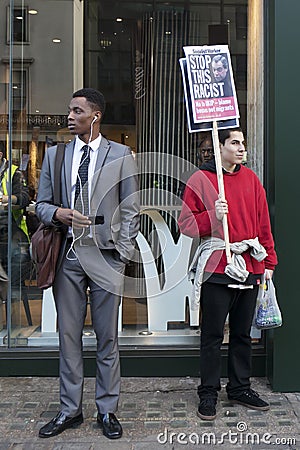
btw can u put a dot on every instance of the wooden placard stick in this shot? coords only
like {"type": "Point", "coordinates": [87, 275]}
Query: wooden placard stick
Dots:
{"type": "Point", "coordinates": [221, 187]}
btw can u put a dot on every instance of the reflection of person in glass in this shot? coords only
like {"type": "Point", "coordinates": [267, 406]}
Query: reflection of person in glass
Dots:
{"type": "Point", "coordinates": [20, 240]}
{"type": "Point", "coordinates": [220, 69]}
{"type": "Point", "coordinates": [204, 153]}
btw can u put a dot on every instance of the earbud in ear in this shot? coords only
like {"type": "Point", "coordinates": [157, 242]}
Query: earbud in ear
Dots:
{"type": "Point", "coordinates": [94, 120]}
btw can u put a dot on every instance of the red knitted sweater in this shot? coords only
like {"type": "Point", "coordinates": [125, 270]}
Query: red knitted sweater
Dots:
{"type": "Point", "coordinates": [248, 215]}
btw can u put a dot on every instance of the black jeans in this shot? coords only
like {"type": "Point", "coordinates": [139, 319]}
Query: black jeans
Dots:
{"type": "Point", "coordinates": [217, 301]}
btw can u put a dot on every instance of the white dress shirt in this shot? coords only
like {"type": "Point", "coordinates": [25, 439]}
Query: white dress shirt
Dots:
{"type": "Point", "coordinates": [79, 144]}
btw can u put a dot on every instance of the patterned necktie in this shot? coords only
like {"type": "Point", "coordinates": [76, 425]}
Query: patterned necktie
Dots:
{"type": "Point", "coordinates": [81, 193]}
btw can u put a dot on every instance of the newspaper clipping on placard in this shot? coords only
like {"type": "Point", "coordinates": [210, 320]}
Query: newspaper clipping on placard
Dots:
{"type": "Point", "coordinates": [209, 87]}
{"type": "Point", "coordinates": [202, 126]}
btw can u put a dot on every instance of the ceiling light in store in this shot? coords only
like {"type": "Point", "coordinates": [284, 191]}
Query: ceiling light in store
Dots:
{"type": "Point", "coordinates": [15, 87]}
{"type": "Point", "coordinates": [168, 32]}
{"type": "Point", "coordinates": [33, 12]}
{"type": "Point", "coordinates": [119, 19]}
{"type": "Point", "coordinates": [37, 110]}
{"type": "Point", "coordinates": [105, 43]}
{"type": "Point", "coordinates": [56, 40]}
{"type": "Point", "coordinates": [19, 17]}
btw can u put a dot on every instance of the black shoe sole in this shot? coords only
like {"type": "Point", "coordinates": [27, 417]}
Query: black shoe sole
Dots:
{"type": "Point", "coordinates": [257, 408]}
{"type": "Point", "coordinates": [112, 437]}
{"type": "Point", "coordinates": [73, 425]}
{"type": "Point", "coordinates": [206, 417]}
{"type": "Point", "coordinates": [100, 424]}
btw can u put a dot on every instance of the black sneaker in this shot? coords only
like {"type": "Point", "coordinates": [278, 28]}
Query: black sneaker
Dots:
{"type": "Point", "coordinates": [251, 399]}
{"type": "Point", "coordinates": [207, 408]}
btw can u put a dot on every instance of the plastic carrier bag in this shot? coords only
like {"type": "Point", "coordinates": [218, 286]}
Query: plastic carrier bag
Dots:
{"type": "Point", "coordinates": [267, 312]}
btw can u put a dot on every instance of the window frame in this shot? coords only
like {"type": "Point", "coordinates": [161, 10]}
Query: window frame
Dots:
{"type": "Point", "coordinates": [25, 14]}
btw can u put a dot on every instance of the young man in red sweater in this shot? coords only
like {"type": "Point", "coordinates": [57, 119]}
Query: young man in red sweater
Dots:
{"type": "Point", "coordinates": [221, 293]}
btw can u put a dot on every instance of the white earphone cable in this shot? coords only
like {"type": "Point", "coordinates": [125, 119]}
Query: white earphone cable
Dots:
{"type": "Point", "coordinates": [74, 239]}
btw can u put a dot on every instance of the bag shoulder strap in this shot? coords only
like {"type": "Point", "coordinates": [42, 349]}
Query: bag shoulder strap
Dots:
{"type": "Point", "coordinates": [59, 157]}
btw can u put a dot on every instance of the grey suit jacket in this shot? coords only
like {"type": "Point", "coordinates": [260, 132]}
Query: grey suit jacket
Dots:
{"type": "Point", "coordinates": [114, 197]}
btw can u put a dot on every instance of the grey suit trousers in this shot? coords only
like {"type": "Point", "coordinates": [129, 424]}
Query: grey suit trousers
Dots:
{"type": "Point", "coordinates": [69, 291]}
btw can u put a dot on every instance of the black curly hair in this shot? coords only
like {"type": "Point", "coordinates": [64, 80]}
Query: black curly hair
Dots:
{"type": "Point", "coordinates": [94, 97]}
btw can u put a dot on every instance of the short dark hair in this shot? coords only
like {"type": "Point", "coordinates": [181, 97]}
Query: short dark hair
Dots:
{"type": "Point", "coordinates": [225, 133]}
{"type": "Point", "coordinates": [204, 135]}
{"type": "Point", "coordinates": [94, 97]}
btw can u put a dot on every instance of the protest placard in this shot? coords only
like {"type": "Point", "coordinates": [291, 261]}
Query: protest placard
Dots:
{"type": "Point", "coordinates": [211, 89]}
{"type": "Point", "coordinates": [211, 101]}
{"type": "Point", "coordinates": [200, 126]}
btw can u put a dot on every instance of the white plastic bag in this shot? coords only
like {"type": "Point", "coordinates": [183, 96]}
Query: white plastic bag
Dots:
{"type": "Point", "coordinates": [267, 312]}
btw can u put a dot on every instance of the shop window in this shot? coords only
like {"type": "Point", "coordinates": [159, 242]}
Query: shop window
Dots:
{"type": "Point", "coordinates": [133, 60]}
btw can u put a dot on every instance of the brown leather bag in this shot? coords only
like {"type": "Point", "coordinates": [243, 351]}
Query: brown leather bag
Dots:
{"type": "Point", "coordinates": [46, 241]}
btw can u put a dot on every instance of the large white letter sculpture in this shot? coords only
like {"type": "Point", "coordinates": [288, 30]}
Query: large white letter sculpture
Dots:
{"type": "Point", "coordinates": [167, 303]}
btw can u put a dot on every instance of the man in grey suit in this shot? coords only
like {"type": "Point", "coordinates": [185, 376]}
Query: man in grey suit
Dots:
{"type": "Point", "coordinates": [100, 215]}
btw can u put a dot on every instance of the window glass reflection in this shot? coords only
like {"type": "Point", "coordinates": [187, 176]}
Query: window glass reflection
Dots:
{"type": "Point", "coordinates": [132, 57]}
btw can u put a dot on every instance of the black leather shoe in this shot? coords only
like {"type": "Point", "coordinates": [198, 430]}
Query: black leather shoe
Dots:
{"type": "Point", "coordinates": [110, 425]}
{"type": "Point", "coordinates": [60, 423]}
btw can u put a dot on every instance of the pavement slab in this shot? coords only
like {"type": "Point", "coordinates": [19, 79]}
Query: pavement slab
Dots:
{"type": "Point", "coordinates": [156, 413]}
